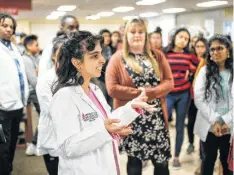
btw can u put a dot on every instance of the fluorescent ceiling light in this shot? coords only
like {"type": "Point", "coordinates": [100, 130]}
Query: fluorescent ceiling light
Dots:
{"type": "Point", "coordinates": [173, 10]}
{"type": "Point", "coordinates": [50, 17]}
{"type": "Point", "coordinates": [148, 14]}
{"type": "Point", "coordinates": [57, 13]}
{"type": "Point", "coordinates": [123, 9]}
{"type": "Point", "coordinates": [149, 2]}
{"type": "Point", "coordinates": [105, 14]}
{"type": "Point", "coordinates": [211, 3]}
{"type": "Point", "coordinates": [66, 8]}
{"type": "Point", "coordinates": [92, 17]}
{"type": "Point", "coordinates": [129, 17]}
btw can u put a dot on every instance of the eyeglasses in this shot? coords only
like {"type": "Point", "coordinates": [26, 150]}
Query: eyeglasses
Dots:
{"type": "Point", "coordinates": [218, 49]}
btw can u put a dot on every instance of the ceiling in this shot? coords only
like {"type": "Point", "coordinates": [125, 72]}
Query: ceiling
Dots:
{"type": "Point", "coordinates": [42, 8]}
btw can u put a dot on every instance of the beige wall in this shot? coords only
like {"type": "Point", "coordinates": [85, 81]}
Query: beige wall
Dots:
{"type": "Point", "coordinates": [198, 18]}
{"type": "Point", "coordinates": [46, 29]}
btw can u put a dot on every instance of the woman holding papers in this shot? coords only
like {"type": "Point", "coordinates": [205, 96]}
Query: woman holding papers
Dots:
{"type": "Point", "coordinates": [86, 131]}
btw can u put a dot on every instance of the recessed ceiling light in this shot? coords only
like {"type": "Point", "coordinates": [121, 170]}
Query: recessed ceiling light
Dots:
{"type": "Point", "coordinates": [148, 14]}
{"type": "Point", "coordinates": [129, 17]}
{"type": "Point", "coordinates": [149, 2]}
{"type": "Point", "coordinates": [66, 8]}
{"type": "Point", "coordinates": [50, 17]}
{"type": "Point", "coordinates": [105, 14]}
{"type": "Point", "coordinates": [212, 3]}
{"type": "Point", "coordinates": [92, 17]}
{"type": "Point", "coordinates": [123, 9]}
{"type": "Point", "coordinates": [174, 10]}
{"type": "Point", "coordinates": [57, 13]}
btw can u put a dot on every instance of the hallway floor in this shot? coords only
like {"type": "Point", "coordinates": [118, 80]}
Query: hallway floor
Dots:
{"type": "Point", "coordinates": [32, 165]}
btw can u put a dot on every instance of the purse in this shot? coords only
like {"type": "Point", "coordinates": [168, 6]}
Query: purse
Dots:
{"type": "Point", "coordinates": [2, 136]}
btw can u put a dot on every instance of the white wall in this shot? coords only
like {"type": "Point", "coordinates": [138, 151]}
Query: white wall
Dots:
{"type": "Point", "coordinates": [46, 30]}
{"type": "Point", "coordinates": [166, 22]}
{"type": "Point", "coordinates": [197, 19]}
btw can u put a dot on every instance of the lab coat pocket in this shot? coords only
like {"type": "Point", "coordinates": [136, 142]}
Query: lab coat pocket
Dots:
{"type": "Point", "coordinates": [46, 135]}
{"type": "Point", "coordinates": [90, 159]}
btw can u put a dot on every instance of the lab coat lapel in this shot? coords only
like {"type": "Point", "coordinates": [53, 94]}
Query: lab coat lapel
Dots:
{"type": "Point", "coordinates": [87, 100]}
{"type": "Point", "coordinates": [98, 92]}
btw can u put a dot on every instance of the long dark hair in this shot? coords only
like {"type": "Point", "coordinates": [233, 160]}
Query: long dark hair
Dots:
{"type": "Point", "coordinates": [59, 39]}
{"type": "Point", "coordinates": [213, 77]}
{"type": "Point", "coordinates": [75, 46]}
{"type": "Point", "coordinates": [171, 45]}
{"type": "Point", "coordinates": [205, 55]}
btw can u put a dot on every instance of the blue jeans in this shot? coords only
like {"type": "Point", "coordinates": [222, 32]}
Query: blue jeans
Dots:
{"type": "Point", "coordinates": [180, 102]}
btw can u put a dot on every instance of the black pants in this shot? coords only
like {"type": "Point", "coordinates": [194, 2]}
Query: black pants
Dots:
{"type": "Point", "coordinates": [51, 164]}
{"type": "Point", "coordinates": [211, 147]}
{"type": "Point", "coordinates": [192, 113]}
{"type": "Point", "coordinates": [134, 167]}
{"type": "Point", "coordinates": [10, 121]}
{"type": "Point", "coordinates": [33, 100]}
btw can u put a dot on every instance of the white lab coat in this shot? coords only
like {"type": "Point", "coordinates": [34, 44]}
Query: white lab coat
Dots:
{"type": "Point", "coordinates": [206, 115]}
{"type": "Point", "coordinates": [46, 135]}
{"type": "Point", "coordinates": [83, 144]}
{"type": "Point", "coordinates": [10, 95]}
{"type": "Point", "coordinates": [46, 62]}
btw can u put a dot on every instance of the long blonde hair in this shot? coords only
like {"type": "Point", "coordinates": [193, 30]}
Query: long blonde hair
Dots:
{"type": "Point", "coordinates": [130, 60]}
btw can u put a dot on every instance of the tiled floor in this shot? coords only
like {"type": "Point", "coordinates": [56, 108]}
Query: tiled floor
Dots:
{"type": "Point", "coordinates": [24, 165]}
{"type": "Point", "coordinates": [189, 162]}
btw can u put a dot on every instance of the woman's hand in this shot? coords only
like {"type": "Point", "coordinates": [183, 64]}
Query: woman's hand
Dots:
{"type": "Point", "coordinates": [111, 127]}
{"type": "Point", "coordinates": [224, 129]}
{"type": "Point", "coordinates": [125, 131]}
{"type": "Point", "coordinates": [217, 129]}
{"type": "Point", "coordinates": [187, 75]}
{"type": "Point", "coordinates": [140, 102]}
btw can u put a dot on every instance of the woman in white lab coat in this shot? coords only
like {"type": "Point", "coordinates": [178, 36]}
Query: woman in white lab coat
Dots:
{"type": "Point", "coordinates": [46, 135]}
{"type": "Point", "coordinates": [213, 99]}
{"type": "Point", "coordinates": [86, 132]}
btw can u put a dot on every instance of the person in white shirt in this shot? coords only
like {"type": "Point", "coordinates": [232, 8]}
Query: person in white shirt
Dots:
{"type": "Point", "coordinates": [213, 99]}
{"type": "Point", "coordinates": [13, 91]}
{"type": "Point", "coordinates": [68, 24]}
{"type": "Point", "coordinates": [44, 94]}
{"type": "Point", "coordinates": [86, 132]}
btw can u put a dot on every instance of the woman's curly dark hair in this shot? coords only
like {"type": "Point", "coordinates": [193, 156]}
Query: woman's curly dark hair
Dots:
{"type": "Point", "coordinates": [59, 39]}
{"type": "Point", "coordinates": [171, 46]}
{"type": "Point", "coordinates": [75, 46]}
{"type": "Point", "coordinates": [213, 78]}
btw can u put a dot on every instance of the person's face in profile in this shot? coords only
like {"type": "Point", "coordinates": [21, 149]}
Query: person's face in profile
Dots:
{"type": "Point", "coordinates": [91, 65]}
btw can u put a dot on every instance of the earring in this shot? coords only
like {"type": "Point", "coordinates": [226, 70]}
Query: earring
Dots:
{"type": "Point", "coordinates": [80, 78]}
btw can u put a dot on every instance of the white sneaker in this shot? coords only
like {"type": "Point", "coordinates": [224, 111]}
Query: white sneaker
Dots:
{"type": "Point", "coordinates": [31, 150]}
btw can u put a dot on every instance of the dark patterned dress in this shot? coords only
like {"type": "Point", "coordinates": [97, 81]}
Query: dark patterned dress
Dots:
{"type": "Point", "coordinates": [150, 139]}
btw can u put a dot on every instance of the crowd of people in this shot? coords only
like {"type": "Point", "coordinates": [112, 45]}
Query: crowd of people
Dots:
{"type": "Point", "coordinates": [97, 95]}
